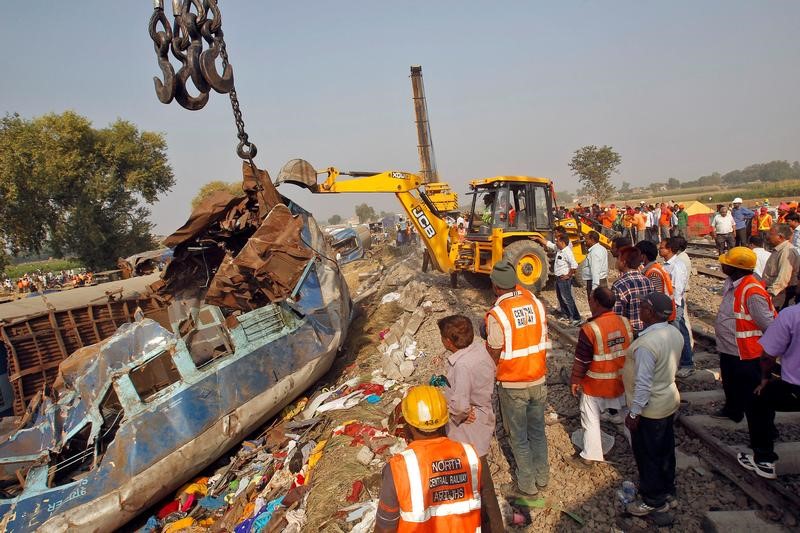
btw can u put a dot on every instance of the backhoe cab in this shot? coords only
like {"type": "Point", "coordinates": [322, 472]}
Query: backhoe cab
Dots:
{"type": "Point", "coordinates": [509, 215]}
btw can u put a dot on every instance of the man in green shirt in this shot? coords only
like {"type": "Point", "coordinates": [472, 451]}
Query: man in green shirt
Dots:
{"type": "Point", "coordinates": [683, 222]}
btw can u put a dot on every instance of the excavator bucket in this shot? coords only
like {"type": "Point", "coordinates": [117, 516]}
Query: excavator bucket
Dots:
{"type": "Point", "coordinates": [299, 172]}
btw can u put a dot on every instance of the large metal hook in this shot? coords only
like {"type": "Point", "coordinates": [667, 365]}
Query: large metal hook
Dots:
{"type": "Point", "coordinates": [165, 90]}
{"type": "Point", "coordinates": [222, 84]}
{"type": "Point", "coordinates": [161, 41]}
{"type": "Point", "coordinates": [187, 101]}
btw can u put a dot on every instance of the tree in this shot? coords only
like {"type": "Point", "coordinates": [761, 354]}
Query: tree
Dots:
{"type": "Point", "coordinates": [365, 213]}
{"type": "Point", "coordinates": [235, 188]}
{"type": "Point", "coordinates": [625, 188]}
{"type": "Point", "coordinates": [673, 183]}
{"type": "Point", "coordinates": [335, 219]}
{"type": "Point", "coordinates": [594, 167]}
{"type": "Point", "coordinates": [71, 187]}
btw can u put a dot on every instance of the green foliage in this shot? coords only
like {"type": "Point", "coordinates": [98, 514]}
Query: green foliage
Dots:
{"type": "Point", "coordinates": [71, 187]}
{"type": "Point", "coordinates": [235, 188]}
{"type": "Point", "coordinates": [50, 265]}
{"type": "Point", "coordinates": [673, 183]}
{"type": "Point", "coordinates": [625, 188]}
{"type": "Point", "coordinates": [594, 167]}
{"type": "Point", "coordinates": [365, 213]}
{"type": "Point", "coordinates": [765, 172]}
{"type": "Point", "coordinates": [335, 219]}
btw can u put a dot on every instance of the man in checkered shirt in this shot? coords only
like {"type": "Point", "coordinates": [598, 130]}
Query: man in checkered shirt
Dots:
{"type": "Point", "coordinates": [630, 285]}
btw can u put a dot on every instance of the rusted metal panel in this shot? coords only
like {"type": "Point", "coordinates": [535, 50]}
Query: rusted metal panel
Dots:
{"type": "Point", "coordinates": [36, 345]}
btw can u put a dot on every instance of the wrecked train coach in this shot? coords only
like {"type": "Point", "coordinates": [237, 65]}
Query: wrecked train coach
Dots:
{"type": "Point", "coordinates": [349, 243]}
{"type": "Point", "coordinates": [256, 311]}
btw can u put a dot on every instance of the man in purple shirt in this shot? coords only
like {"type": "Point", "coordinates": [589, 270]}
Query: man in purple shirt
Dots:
{"type": "Point", "coordinates": [782, 339]}
{"type": "Point", "coordinates": [471, 376]}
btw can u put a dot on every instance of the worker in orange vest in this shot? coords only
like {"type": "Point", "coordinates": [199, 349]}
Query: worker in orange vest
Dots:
{"type": "Point", "coordinates": [516, 339]}
{"type": "Point", "coordinates": [436, 484]}
{"type": "Point", "coordinates": [652, 270]}
{"type": "Point", "coordinates": [599, 357]}
{"type": "Point", "coordinates": [764, 223]}
{"type": "Point", "coordinates": [745, 312]}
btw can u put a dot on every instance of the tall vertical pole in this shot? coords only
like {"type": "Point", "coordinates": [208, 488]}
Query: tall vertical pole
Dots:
{"type": "Point", "coordinates": [425, 143]}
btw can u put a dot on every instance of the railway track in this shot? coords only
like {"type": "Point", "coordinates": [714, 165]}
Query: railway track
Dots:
{"type": "Point", "coordinates": [776, 500]}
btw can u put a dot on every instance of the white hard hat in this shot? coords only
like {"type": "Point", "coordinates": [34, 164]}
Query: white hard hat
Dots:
{"type": "Point", "coordinates": [737, 200]}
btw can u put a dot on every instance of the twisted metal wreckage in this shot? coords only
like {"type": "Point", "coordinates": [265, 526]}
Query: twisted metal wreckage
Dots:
{"type": "Point", "coordinates": [256, 313]}
{"type": "Point", "coordinates": [249, 313]}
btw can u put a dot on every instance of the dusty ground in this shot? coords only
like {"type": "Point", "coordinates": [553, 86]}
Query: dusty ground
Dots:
{"type": "Point", "coordinates": [591, 495]}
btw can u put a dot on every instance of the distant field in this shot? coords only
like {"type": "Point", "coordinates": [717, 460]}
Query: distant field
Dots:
{"type": "Point", "coordinates": [773, 191]}
{"type": "Point", "coordinates": [50, 265]}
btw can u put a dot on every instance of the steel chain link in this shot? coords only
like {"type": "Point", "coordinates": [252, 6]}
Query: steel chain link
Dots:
{"type": "Point", "coordinates": [194, 22]}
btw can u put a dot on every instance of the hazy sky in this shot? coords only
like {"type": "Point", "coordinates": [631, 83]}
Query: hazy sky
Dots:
{"type": "Point", "coordinates": [679, 88]}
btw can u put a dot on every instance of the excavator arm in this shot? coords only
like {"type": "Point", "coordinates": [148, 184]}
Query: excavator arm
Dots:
{"type": "Point", "coordinates": [434, 231]}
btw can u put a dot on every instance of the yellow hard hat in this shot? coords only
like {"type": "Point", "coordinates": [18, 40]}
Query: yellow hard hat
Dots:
{"type": "Point", "coordinates": [739, 257]}
{"type": "Point", "coordinates": [425, 408]}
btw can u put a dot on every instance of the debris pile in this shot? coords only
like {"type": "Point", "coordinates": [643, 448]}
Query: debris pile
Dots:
{"type": "Point", "coordinates": [335, 441]}
{"type": "Point", "coordinates": [265, 486]}
{"type": "Point", "coordinates": [398, 347]}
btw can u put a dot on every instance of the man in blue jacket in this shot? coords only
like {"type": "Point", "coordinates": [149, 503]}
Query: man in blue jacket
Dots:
{"type": "Point", "coordinates": [741, 215]}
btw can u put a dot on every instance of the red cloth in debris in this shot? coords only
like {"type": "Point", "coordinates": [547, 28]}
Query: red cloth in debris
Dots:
{"type": "Point", "coordinates": [188, 503]}
{"type": "Point", "coordinates": [370, 388]}
{"type": "Point", "coordinates": [355, 491]}
{"type": "Point", "coordinates": [171, 507]}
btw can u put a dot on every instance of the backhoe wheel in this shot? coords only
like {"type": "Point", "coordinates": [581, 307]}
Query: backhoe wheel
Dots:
{"type": "Point", "coordinates": [531, 264]}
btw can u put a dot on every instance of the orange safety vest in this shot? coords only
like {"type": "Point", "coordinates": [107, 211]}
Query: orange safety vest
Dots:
{"type": "Point", "coordinates": [521, 316]}
{"type": "Point", "coordinates": [747, 332]}
{"type": "Point", "coordinates": [657, 269]}
{"type": "Point", "coordinates": [764, 222]}
{"type": "Point", "coordinates": [611, 336]}
{"type": "Point", "coordinates": [438, 484]}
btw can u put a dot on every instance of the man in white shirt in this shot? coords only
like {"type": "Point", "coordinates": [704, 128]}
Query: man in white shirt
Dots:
{"type": "Point", "coordinates": [679, 275]}
{"type": "Point", "coordinates": [564, 268]}
{"type": "Point", "coordinates": [757, 245]}
{"type": "Point", "coordinates": [650, 221]}
{"type": "Point", "coordinates": [722, 229]}
{"type": "Point", "coordinates": [594, 269]}
{"type": "Point", "coordinates": [793, 219]}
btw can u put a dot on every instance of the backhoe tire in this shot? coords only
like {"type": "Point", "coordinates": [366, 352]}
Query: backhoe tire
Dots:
{"type": "Point", "coordinates": [531, 264]}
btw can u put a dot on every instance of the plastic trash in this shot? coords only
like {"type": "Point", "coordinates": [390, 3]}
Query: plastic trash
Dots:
{"type": "Point", "coordinates": [390, 297]}
{"type": "Point", "coordinates": [627, 493]}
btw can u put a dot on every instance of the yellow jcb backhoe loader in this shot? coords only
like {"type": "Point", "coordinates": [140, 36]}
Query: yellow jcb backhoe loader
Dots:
{"type": "Point", "coordinates": [508, 214]}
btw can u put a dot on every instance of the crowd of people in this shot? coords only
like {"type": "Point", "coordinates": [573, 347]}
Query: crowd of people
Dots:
{"type": "Point", "coordinates": [629, 354]}
{"type": "Point", "coordinates": [41, 281]}
{"type": "Point", "coordinates": [652, 222]}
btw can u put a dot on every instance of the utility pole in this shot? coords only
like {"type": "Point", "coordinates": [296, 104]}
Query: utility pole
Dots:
{"type": "Point", "coordinates": [426, 158]}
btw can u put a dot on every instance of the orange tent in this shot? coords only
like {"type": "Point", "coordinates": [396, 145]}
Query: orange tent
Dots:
{"type": "Point", "coordinates": [700, 216]}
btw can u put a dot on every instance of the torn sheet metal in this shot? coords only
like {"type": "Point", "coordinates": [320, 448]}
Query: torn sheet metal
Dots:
{"type": "Point", "coordinates": [130, 419]}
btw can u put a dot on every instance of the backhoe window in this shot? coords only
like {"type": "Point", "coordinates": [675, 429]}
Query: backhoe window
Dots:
{"type": "Point", "coordinates": [542, 218]}
{"type": "Point", "coordinates": [483, 211]}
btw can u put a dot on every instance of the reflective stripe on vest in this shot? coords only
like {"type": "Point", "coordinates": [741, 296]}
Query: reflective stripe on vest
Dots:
{"type": "Point", "coordinates": [604, 377]}
{"type": "Point", "coordinates": [419, 513]}
{"type": "Point", "coordinates": [747, 331]}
